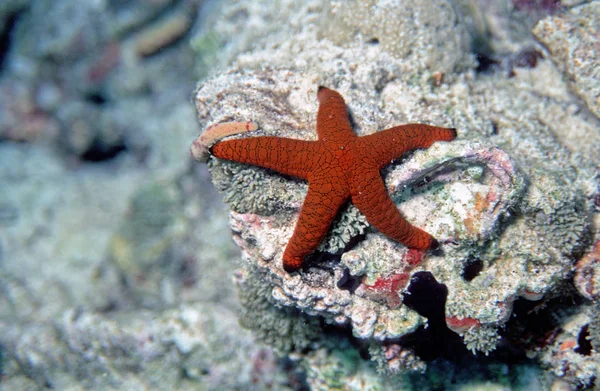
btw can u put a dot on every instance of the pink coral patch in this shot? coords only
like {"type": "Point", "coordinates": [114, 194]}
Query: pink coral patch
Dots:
{"type": "Point", "coordinates": [387, 289]}
{"type": "Point", "coordinates": [413, 256]}
{"type": "Point", "coordinates": [460, 325]}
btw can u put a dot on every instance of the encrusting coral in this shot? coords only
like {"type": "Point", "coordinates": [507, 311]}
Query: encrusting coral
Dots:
{"type": "Point", "coordinates": [509, 217]}
{"type": "Point", "coordinates": [463, 193]}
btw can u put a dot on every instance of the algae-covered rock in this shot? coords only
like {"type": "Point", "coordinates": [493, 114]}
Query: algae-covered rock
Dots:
{"type": "Point", "coordinates": [509, 200]}
{"type": "Point", "coordinates": [141, 247]}
{"type": "Point", "coordinates": [572, 356]}
{"type": "Point", "coordinates": [474, 197]}
{"type": "Point", "coordinates": [428, 35]}
{"type": "Point", "coordinates": [283, 328]}
{"type": "Point", "coordinates": [572, 43]}
{"type": "Point", "coordinates": [191, 347]}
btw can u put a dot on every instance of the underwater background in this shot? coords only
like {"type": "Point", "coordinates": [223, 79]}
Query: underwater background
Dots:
{"type": "Point", "coordinates": [125, 264]}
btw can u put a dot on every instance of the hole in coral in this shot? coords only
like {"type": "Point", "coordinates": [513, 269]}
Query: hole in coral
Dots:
{"type": "Point", "coordinates": [99, 152]}
{"type": "Point", "coordinates": [373, 41]}
{"type": "Point", "coordinates": [354, 241]}
{"type": "Point", "coordinates": [485, 62]}
{"type": "Point", "coordinates": [296, 376]}
{"type": "Point", "coordinates": [348, 282]}
{"type": "Point", "coordinates": [494, 128]}
{"type": "Point", "coordinates": [187, 270]}
{"type": "Point", "coordinates": [96, 98]}
{"type": "Point", "coordinates": [535, 324]}
{"type": "Point", "coordinates": [6, 36]}
{"type": "Point", "coordinates": [426, 296]}
{"type": "Point", "coordinates": [321, 261]}
{"type": "Point", "coordinates": [585, 346]}
{"type": "Point", "coordinates": [472, 269]}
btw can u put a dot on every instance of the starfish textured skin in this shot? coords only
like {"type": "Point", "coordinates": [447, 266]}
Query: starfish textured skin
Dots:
{"type": "Point", "coordinates": [338, 166]}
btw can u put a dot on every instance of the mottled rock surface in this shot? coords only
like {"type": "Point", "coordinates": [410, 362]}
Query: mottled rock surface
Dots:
{"type": "Point", "coordinates": [572, 42]}
{"type": "Point", "coordinates": [116, 260]}
{"type": "Point", "coordinates": [544, 217]}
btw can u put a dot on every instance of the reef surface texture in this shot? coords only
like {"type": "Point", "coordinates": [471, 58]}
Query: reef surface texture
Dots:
{"type": "Point", "coordinates": [509, 203]}
{"type": "Point", "coordinates": [117, 268]}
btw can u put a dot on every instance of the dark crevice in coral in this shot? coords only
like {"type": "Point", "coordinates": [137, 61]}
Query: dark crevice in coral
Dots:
{"type": "Point", "coordinates": [320, 260]}
{"type": "Point", "coordinates": [349, 282]}
{"type": "Point", "coordinates": [428, 297]}
{"type": "Point", "coordinates": [96, 98]}
{"type": "Point", "coordinates": [534, 324]}
{"type": "Point", "coordinates": [373, 41]}
{"type": "Point", "coordinates": [584, 345]}
{"type": "Point", "coordinates": [187, 270]}
{"type": "Point", "coordinates": [437, 343]}
{"type": "Point", "coordinates": [472, 269]}
{"type": "Point", "coordinates": [296, 375]}
{"type": "Point", "coordinates": [6, 36]}
{"type": "Point", "coordinates": [592, 385]}
{"type": "Point", "coordinates": [353, 242]}
{"type": "Point", "coordinates": [111, 306]}
{"type": "Point", "coordinates": [494, 128]}
{"type": "Point", "coordinates": [485, 62]}
{"type": "Point", "coordinates": [99, 152]}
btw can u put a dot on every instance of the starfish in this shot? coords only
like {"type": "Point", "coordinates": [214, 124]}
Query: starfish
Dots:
{"type": "Point", "coordinates": [338, 166]}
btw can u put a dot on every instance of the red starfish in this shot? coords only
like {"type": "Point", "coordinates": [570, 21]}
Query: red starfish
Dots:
{"type": "Point", "coordinates": [339, 166]}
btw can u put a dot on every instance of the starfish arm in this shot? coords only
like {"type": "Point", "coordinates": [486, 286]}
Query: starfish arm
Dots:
{"type": "Point", "coordinates": [390, 144]}
{"type": "Point", "coordinates": [323, 201]}
{"type": "Point", "coordinates": [284, 155]}
{"type": "Point", "coordinates": [333, 123]}
{"type": "Point", "coordinates": [370, 196]}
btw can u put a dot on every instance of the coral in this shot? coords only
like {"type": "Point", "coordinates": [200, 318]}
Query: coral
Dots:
{"type": "Point", "coordinates": [557, 216]}
{"type": "Point", "coordinates": [587, 274]}
{"type": "Point", "coordinates": [140, 248]}
{"type": "Point", "coordinates": [282, 328]}
{"type": "Point", "coordinates": [80, 87]}
{"type": "Point", "coordinates": [182, 348]}
{"type": "Point", "coordinates": [251, 190]}
{"type": "Point", "coordinates": [395, 359]}
{"type": "Point", "coordinates": [342, 369]}
{"type": "Point", "coordinates": [571, 39]}
{"type": "Point", "coordinates": [428, 35]}
{"type": "Point", "coordinates": [472, 196]}
{"type": "Point", "coordinates": [60, 75]}
{"type": "Point", "coordinates": [481, 339]}
{"type": "Point", "coordinates": [21, 118]}
{"type": "Point", "coordinates": [570, 356]}
{"type": "Point", "coordinates": [500, 177]}
{"type": "Point", "coordinates": [594, 326]}
{"type": "Point", "coordinates": [349, 224]}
